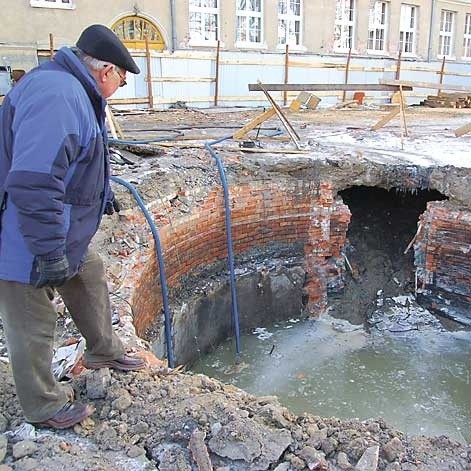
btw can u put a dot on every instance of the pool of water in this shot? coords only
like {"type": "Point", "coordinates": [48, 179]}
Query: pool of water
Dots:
{"type": "Point", "coordinates": [418, 381]}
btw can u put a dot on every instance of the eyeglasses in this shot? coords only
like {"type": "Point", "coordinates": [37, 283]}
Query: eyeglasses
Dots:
{"type": "Point", "coordinates": [122, 77]}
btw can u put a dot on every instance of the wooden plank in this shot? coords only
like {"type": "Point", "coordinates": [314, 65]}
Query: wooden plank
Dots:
{"type": "Point", "coordinates": [442, 70]}
{"type": "Point", "coordinates": [347, 70]}
{"type": "Point", "coordinates": [398, 66]}
{"type": "Point", "coordinates": [216, 78]}
{"type": "Point", "coordinates": [149, 74]}
{"type": "Point", "coordinates": [433, 86]}
{"type": "Point", "coordinates": [255, 150]}
{"type": "Point", "coordinates": [284, 121]}
{"type": "Point", "coordinates": [285, 92]}
{"type": "Point", "coordinates": [462, 130]}
{"type": "Point", "coordinates": [241, 133]}
{"type": "Point", "coordinates": [128, 101]}
{"type": "Point", "coordinates": [385, 120]}
{"type": "Point", "coordinates": [183, 79]}
{"type": "Point", "coordinates": [110, 122]}
{"type": "Point", "coordinates": [51, 46]}
{"type": "Point", "coordinates": [311, 87]}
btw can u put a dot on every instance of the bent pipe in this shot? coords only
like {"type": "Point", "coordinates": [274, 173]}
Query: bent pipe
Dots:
{"type": "Point", "coordinates": [163, 278]}
{"type": "Point", "coordinates": [222, 174]}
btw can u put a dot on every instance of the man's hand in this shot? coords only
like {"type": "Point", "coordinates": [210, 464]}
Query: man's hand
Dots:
{"type": "Point", "coordinates": [52, 272]}
{"type": "Point", "coordinates": [112, 206]}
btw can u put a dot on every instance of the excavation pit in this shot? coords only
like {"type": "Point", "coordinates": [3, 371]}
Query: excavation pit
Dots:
{"type": "Point", "coordinates": [292, 216]}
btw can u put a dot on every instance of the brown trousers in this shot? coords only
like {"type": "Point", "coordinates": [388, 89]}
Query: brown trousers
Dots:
{"type": "Point", "coordinates": [29, 321]}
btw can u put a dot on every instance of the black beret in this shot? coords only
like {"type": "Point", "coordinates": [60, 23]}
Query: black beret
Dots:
{"type": "Point", "coordinates": [101, 43]}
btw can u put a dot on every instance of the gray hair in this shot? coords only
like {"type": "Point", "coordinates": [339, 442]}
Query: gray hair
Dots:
{"type": "Point", "coordinates": [91, 62]}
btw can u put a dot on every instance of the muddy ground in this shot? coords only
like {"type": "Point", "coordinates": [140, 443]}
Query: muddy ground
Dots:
{"type": "Point", "coordinates": [174, 421]}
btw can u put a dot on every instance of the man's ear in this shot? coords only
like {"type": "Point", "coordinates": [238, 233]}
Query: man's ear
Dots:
{"type": "Point", "coordinates": [104, 73]}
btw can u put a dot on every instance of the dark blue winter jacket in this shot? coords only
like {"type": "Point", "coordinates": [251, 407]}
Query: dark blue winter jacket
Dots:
{"type": "Point", "coordinates": [54, 167]}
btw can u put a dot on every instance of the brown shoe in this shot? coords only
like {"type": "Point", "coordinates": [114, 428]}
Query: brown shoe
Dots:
{"type": "Point", "coordinates": [125, 363]}
{"type": "Point", "coordinates": [71, 414]}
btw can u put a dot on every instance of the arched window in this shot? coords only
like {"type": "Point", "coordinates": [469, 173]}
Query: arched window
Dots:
{"type": "Point", "coordinates": [132, 30]}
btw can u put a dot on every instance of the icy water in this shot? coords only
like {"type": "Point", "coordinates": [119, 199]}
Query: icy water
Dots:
{"type": "Point", "coordinates": [419, 382]}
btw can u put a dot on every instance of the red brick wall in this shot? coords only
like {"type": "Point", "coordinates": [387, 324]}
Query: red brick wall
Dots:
{"type": "Point", "coordinates": [261, 212]}
{"type": "Point", "coordinates": [443, 251]}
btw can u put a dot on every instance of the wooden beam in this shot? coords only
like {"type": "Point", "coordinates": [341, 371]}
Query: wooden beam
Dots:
{"type": "Point", "coordinates": [149, 74]}
{"type": "Point", "coordinates": [462, 130]}
{"type": "Point", "coordinates": [433, 86]}
{"type": "Point", "coordinates": [311, 87]}
{"type": "Point", "coordinates": [285, 92]}
{"type": "Point", "coordinates": [398, 66]}
{"type": "Point", "coordinates": [51, 46]}
{"type": "Point", "coordinates": [241, 133]}
{"type": "Point", "coordinates": [110, 122]}
{"type": "Point", "coordinates": [128, 101]}
{"type": "Point", "coordinates": [347, 70]}
{"type": "Point", "coordinates": [442, 70]}
{"type": "Point", "coordinates": [183, 79]}
{"type": "Point", "coordinates": [284, 121]}
{"type": "Point", "coordinates": [385, 120]}
{"type": "Point", "coordinates": [216, 78]}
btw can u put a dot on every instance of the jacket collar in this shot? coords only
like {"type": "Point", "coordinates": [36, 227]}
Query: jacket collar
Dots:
{"type": "Point", "coordinates": [66, 59]}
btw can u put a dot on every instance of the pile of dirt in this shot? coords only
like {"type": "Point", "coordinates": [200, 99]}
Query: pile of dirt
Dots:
{"type": "Point", "coordinates": [162, 419]}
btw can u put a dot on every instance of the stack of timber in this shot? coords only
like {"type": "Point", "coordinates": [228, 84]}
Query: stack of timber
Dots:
{"type": "Point", "coordinates": [448, 100]}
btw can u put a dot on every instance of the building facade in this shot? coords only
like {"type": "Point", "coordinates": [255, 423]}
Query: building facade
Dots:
{"type": "Point", "coordinates": [420, 30]}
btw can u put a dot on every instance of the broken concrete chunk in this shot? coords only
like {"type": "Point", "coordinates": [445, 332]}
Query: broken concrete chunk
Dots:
{"type": "Point", "coordinates": [313, 458]}
{"type": "Point", "coordinates": [97, 383]}
{"type": "Point", "coordinates": [369, 460]}
{"type": "Point", "coordinates": [24, 448]}
{"type": "Point", "coordinates": [171, 458]}
{"type": "Point", "coordinates": [3, 423]}
{"type": "Point", "coordinates": [122, 402]}
{"type": "Point", "coordinates": [135, 451]}
{"type": "Point", "coordinates": [283, 467]}
{"type": "Point", "coordinates": [393, 449]}
{"type": "Point", "coordinates": [3, 447]}
{"type": "Point", "coordinates": [251, 442]}
{"type": "Point", "coordinates": [343, 462]}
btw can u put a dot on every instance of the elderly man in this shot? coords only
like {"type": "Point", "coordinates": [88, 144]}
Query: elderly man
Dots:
{"type": "Point", "coordinates": [54, 189]}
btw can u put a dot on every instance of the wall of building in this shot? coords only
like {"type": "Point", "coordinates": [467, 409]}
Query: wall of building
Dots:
{"type": "Point", "coordinates": [27, 26]}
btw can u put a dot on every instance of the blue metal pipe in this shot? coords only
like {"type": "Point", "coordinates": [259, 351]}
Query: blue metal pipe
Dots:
{"type": "Point", "coordinates": [222, 174]}
{"type": "Point", "coordinates": [163, 278]}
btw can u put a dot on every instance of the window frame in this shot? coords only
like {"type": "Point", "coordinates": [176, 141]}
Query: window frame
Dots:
{"type": "Point", "coordinates": [344, 24]}
{"type": "Point", "coordinates": [411, 30]}
{"type": "Point", "coordinates": [467, 37]}
{"type": "Point", "coordinates": [246, 13]}
{"type": "Point", "coordinates": [59, 4]}
{"type": "Point", "coordinates": [204, 11]}
{"type": "Point", "coordinates": [444, 34]}
{"type": "Point", "coordinates": [131, 31]}
{"type": "Point", "coordinates": [291, 19]}
{"type": "Point", "coordinates": [374, 26]}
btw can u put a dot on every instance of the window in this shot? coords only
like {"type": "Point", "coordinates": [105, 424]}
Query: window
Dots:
{"type": "Point", "coordinates": [204, 17]}
{"type": "Point", "coordinates": [132, 30]}
{"type": "Point", "coordinates": [447, 25]}
{"type": "Point", "coordinates": [289, 22]}
{"type": "Point", "coordinates": [467, 37]}
{"type": "Point", "coordinates": [64, 4]}
{"type": "Point", "coordinates": [249, 21]}
{"type": "Point", "coordinates": [377, 29]}
{"type": "Point", "coordinates": [408, 27]}
{"type": "Point", "coordinates": [344, 25]}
